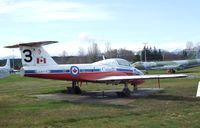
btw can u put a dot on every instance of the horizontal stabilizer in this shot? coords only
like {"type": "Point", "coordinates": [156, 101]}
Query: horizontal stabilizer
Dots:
{"type": "Point", "coordinates": [32, 44]}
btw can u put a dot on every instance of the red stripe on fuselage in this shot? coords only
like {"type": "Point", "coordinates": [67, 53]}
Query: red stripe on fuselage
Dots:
{"type": "Point", "coordinates": [90, 76]}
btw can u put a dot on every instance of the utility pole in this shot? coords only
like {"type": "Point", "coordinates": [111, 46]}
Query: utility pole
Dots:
{"type": "Point", "coordinates": [163, 54]}
{"type": "Point", "coordinates": [140, 52]}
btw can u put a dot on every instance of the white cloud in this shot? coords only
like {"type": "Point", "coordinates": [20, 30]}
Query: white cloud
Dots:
{"type": "Point", "coordinates": [47, 10]}
{"type": "Point", "coordinates": [84, 40]}
{"type": "Point", "coordinates": [87, 37]}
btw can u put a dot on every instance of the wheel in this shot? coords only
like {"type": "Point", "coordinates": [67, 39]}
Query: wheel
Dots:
{"type": "Point", "coordinates": [77, 90]}
{"type": "Point", "coordinates": [126, 92]}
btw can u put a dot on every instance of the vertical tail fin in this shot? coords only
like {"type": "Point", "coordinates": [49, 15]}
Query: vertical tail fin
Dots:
{"type": "Point", "coordinates": [33, 53]}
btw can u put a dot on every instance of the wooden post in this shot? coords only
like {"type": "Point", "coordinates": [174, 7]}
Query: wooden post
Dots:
{"type": "Point", "coordinates": [198, 90]}
{"type": "Point", "coordinates": [158, 82]}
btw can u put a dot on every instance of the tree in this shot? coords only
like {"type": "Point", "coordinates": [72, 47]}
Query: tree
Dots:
{"type": "Point", "coordinates": [189, 45]}
{"type": "Point", "coordinates": [136, 58]}
{"type": "Point", "coordinates": [82, 58]}
{"type": "Point", "coordinates": [81, 51]}
{"type": "Point", "coordinates": [125, 54]}
{"type": "Point", "coordinates": [94, 52]}
{"type": "Point", "coordinates": [197, 50]}
{"type": "Point", "coordinates": [63, 55]}
{"type": "Point", "coordinates": [151, 54]}
{"type": "Point", "coordinates": [108, 50]}
{"type": "Point", "coordinates": [160, 57]}
{"type": "Point", "coordinates": [184, 54]}
{"type": "Point", "coordinates": [155, 53]}
{"type": "Point", "coordinates": [112, 54]}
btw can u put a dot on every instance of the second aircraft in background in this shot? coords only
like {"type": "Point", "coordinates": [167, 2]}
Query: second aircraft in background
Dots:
{"type": "Point", "coordinates": [170, 66]}
{"type": "Point", "coordinates": [5, 70]}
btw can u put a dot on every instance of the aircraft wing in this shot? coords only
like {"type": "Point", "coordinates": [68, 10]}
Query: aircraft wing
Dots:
{"type": "Point", "coordinates": [142, 77]}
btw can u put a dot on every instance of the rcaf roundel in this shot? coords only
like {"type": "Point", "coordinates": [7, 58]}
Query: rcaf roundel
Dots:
{"type": "Point", "coordinates": [74, 70]}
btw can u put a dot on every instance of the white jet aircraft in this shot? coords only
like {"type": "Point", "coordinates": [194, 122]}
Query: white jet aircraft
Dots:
{"type": "Point", "coordinates": [38, 63]}
{"type": "Point", "coordinates": [5, 70]}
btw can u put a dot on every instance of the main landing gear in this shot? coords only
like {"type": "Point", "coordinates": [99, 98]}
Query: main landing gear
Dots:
{"type": "Point", "coordinates": [171, 71]}
{"type": "Point", "coordinates": [126, 92]}
{"type": "Point", "coordinates": [75, 89]}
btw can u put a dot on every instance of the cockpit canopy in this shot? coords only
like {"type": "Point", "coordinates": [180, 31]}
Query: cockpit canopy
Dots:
{"type": "Point", "coordinates": [114, 62]}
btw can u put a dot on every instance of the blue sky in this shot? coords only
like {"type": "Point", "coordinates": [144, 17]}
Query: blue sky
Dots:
{"type": "Point", "coordinates": [126, 24]}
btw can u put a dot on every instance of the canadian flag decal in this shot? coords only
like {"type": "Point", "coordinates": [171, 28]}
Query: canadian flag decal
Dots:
{"type": "Point", "coordinates": [41, 60]}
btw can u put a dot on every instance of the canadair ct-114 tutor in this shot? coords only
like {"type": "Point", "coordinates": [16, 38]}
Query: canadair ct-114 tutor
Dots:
{"type": "Point", "coordinates": [38, 63]}
{"type": "Point", "coordinates": [5, 70]}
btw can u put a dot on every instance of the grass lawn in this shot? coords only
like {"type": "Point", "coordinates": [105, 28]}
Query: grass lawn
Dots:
{"type": "Point", "coordinates": [175, 107]}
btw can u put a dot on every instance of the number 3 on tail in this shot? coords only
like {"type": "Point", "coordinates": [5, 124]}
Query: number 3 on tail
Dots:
{"type": "Point", "coordinates": [28, 55]}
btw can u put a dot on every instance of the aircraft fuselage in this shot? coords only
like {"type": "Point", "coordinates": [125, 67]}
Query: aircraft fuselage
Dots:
{"type": "Point", "coordinates": [80, 72]}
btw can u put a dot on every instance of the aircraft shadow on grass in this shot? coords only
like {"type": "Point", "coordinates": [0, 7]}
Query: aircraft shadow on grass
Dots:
{"type": "Point", "coordinates": [113, 95]}
{"type": "Point", "coordinates": [172, 98]}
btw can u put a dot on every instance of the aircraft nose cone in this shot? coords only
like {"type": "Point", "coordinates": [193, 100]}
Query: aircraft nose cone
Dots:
{"type": "Point", "coordinates": [138, 72]}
